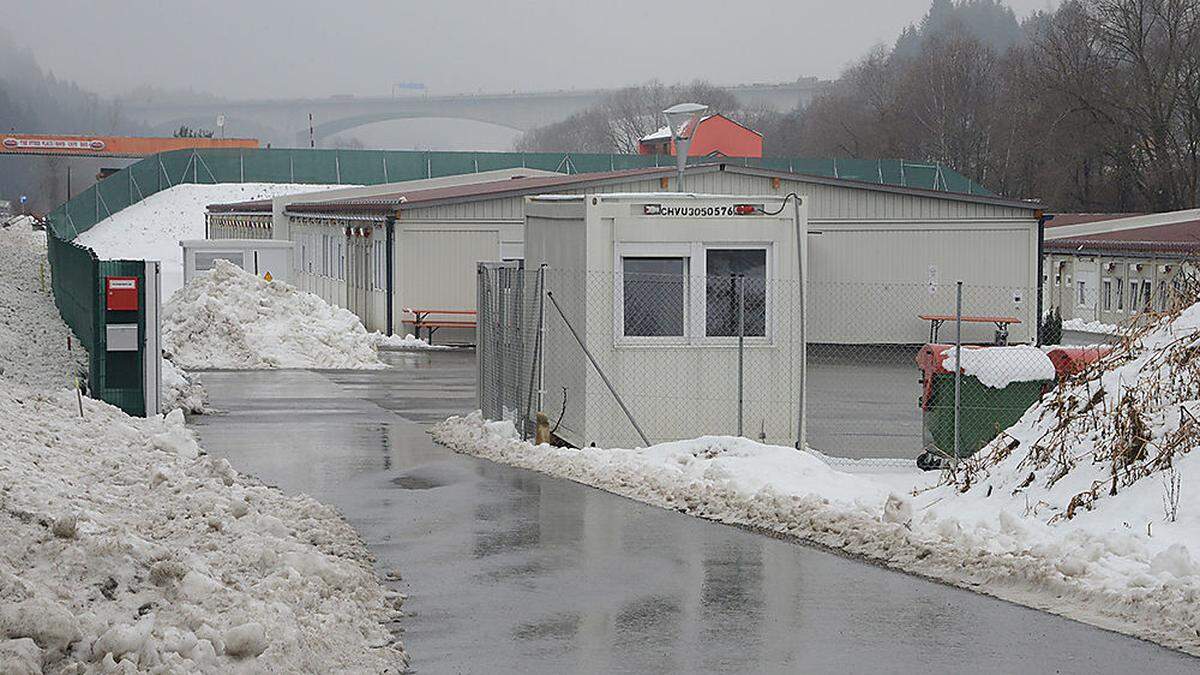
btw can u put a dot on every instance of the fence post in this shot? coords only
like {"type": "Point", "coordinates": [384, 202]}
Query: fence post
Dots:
{"type": "Point", "coordinates": [502, 342]}
{"type": "Point", "coordinates": [541, 340]}
{"type": "Point", "coordinates": [958, 367]}
{"type": "Point", "coordinates": [741, 335]}
{"type": "Point", "coordinates": [480, 334]}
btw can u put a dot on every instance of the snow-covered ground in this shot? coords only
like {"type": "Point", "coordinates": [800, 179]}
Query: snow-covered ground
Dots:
{"type": "Point", "coordinates": [229, 318]}
{"type": "Point", "coordinates": [183, 390]}
{"type": "Point", "coordinates": [408, 342]}
{"type": "Point", "coordinates": [1043, 516]}
{"type": "Point", "coordinates": [126, 548]}
{"type": "Point", "coordinates": [1082, 326]}
{"type": "Point", "coordinates": [152, 228]}
{"type": "Point", "coordinates": [33, 338]}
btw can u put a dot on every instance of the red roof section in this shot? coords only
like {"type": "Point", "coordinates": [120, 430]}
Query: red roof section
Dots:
{"type": "Point", "coordinates": [1181, 237]}
{"type": "Point", "coordinates": [1063, 219]}
{"type": "Point", "coordinates": [257, 205]}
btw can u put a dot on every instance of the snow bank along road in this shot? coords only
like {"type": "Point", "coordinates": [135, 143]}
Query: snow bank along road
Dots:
{"type": "Point", "coordinates": [126, 548]}
{"type": "Point", "coordinates": [509, 570]}
{"type": "Point", "coordinates": [1077, 508]}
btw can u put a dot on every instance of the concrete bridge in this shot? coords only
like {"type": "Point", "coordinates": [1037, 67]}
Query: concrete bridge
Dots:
{"type": "Point", "coordinates": [285, 122]}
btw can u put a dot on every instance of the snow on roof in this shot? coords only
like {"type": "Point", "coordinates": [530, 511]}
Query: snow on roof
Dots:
{"type": "Point", "coordinates": [662, 134]}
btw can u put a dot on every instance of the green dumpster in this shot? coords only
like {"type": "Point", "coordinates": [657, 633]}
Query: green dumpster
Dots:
{"type": "Point", "coordinates": [998, 385]}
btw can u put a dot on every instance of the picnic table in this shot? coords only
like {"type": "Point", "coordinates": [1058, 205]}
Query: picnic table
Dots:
{"type": "Point", "coordinates": [421, 319]}
{"type": "Point", "coordinates": [936, 320]}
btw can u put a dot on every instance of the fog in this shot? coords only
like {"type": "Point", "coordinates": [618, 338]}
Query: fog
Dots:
{"type": "Point", "coordinates": [303, 48]}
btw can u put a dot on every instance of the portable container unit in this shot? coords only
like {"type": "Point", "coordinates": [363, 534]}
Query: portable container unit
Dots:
{"type": "Point", "coordinates": [261, 257]}
{"type": "Point", "coordinates": [643, 281]}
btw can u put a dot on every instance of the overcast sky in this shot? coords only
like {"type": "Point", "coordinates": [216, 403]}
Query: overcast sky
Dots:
{"type": "Point", "coordinates": [287, 48]}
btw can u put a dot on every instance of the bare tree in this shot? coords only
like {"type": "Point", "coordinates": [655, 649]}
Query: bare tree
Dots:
{"type": "Point", "coordinates": [617, 122]}
{"type": "Point", "coordinates": [1134, 67]}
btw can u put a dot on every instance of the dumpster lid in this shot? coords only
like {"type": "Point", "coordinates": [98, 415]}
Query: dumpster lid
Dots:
{"type": "Point", "coordinates": [995, 367]}
{"type": "Point", "coordinates": [1073, 360]}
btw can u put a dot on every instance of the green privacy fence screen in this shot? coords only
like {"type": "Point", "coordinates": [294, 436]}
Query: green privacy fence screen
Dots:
{"type": "Point", "coordinates": [77, 273]}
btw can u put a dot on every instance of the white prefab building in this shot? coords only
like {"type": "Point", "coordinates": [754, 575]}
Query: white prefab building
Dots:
{"type": "Point", "coordinates": [880, 254]}
{"type": "Point", "coordinates": [647, 283]}
{"type": "Point", "coordinates": [269, 258]}
{"type": "Point", "coordinates": [1108, 268]}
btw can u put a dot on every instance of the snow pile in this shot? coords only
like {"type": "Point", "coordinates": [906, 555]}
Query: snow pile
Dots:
{"type": "Point", "coordinates": [408, 342]}
{"type": "Point", "coordinates": [127, 548]}
{"type": "Point", "coordinates": [229, 318]}
{"type": "Point", "coordinates": [33, 338]}
{"type": "Point", "coordinates": [998, 367]}
{"type": "Point", "coordinates": [181, 389]}
{"type": "Point", "coordinates": [152, 228]}
{"type": "Point", "coordinates": [1081, 326]}
{"type": "Point", "coordinates": [1107, 573]}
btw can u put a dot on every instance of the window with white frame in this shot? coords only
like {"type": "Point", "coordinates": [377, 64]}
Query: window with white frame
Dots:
{"type": "Point", "coordinates": [1081, 285]}
{"type": "Point", "coordinates": [1147, 292]}
{"type": "Point", "coordinates": [1106, 294]}
{"type": "Point", "coordinates": [1133, 295]}
{"type": "Point", "coordinates": [341, 263]}
{"type": "Point", "coordinates": [727, 271]}
{"type": "Point", "coordinates": [688, 290]}
{"type": "Point", "coordinates": [654, 293]}
{"type": "Point", "coordinates": [1120, 292]}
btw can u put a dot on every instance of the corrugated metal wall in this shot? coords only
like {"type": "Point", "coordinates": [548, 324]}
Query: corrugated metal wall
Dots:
{"type": "Point", "coordinates": [438, 267]}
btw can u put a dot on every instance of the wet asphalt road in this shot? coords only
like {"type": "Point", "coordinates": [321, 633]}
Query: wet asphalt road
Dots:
{"type": "Point", "coordinates": [511, 571]}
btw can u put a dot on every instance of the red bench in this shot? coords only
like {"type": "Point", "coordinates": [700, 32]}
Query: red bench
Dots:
{"type": "Point", "coordinates": [430, 320]}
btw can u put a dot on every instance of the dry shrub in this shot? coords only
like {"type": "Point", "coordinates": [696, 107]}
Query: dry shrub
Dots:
{"type": "Point", "coordinates": [1119, 425]}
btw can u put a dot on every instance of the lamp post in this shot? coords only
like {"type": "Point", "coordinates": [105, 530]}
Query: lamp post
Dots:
{"type": "Point", "coordinates": [683, 119]}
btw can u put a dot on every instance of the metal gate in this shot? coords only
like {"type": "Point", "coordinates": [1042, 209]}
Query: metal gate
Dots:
{"type": "Point", "coordinates": [501, 344]}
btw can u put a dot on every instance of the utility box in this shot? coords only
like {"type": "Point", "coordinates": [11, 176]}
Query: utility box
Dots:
{"type": "Point", "coordinates": [126, 363]}
{"type": "Point", "coordinates": [121, 294]}
{"type": "Point", "coordinates": [267, 258]}
{"type": "Point", "coordinates": [121, 337]}
{"type": "Point", "coordinates": [647, 283]}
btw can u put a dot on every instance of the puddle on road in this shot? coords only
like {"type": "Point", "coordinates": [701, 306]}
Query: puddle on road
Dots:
{"type": "Point", "coordinates": [417, 482]}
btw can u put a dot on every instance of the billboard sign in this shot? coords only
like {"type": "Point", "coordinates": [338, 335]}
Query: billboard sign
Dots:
{"type": "Point", "coordinates": [109, 146]}
{"type": "Point", "coordinates": [53, 143]}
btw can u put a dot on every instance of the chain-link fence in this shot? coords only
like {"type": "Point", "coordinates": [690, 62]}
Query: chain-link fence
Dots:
{"type": "Point", "coordinates": [650, 354]}
{"type": "Point", "coordinates": [647, 355]}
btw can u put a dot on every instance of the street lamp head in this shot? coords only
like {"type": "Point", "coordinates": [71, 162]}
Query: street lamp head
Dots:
{"type": "Point", "coordinates": [681, 119]}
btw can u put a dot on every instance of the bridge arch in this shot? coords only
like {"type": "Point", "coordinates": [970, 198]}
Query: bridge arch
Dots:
{"type": "Point", "coordinates": [327, 129]}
